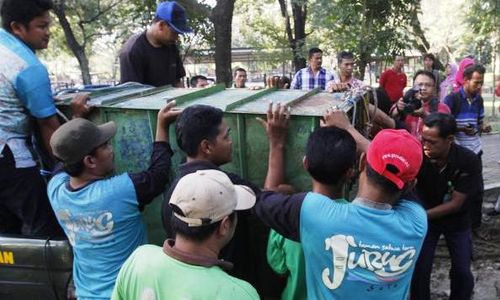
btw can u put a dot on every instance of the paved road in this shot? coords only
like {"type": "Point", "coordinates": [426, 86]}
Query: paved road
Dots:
{"type": "Point", "coordinates": [491, 158]}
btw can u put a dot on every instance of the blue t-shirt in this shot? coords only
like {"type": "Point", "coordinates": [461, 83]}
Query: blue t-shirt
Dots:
{"type": "Point", "coordinates": [354, 250]}
{"type": "Point", "coordinates": [24, 92]}
{"type": "Point", "coordinates": [470, 112]}
{"type": "Point", "coordinates": [104, 226]}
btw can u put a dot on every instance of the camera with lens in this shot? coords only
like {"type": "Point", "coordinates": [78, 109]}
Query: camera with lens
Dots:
{"type": "Point", "coordinates": [411, 100]}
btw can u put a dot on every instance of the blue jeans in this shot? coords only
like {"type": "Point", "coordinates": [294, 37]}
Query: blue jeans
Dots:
{"type": "Point", "coordinates": [460, 247]}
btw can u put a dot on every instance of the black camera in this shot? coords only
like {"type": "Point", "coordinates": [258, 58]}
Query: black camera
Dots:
{"type": "Point", "coordinates": [411, 101]}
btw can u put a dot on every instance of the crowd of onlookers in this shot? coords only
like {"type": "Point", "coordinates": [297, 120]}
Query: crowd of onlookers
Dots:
{"type": "Point", "coordinates": [418, 179]}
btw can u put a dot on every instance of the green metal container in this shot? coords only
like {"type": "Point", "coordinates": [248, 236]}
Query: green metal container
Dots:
{"type": "Point", "coordinates": [134, 110]}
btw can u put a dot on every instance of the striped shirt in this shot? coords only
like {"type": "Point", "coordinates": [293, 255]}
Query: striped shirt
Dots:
{"type": "Point", "coordinates": [471, 112]}
{"type": "Point", "coordinates": [305, 80]}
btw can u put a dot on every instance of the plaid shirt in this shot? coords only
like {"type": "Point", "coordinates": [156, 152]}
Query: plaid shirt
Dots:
{"type": "Point", "coordinates": [305, 80]}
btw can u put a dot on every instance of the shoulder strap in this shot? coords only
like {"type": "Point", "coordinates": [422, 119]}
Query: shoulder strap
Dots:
{"type": "Point", "coordinates": [455, 109]}
{"type": "Point", "coordinates": [481, 101]}
{"type": "Point", "coordinates": [433, 105]}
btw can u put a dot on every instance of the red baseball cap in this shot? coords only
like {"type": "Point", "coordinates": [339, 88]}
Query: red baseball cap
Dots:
{"type": "Point", "coordinates": [399, 150]}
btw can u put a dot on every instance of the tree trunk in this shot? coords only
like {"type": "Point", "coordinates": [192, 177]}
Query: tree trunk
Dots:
{"type": "Point", "coordinates": [222, 17]}
{"type": "Point", "coordinates": [83, 61]}
{"type": "Point", "coordinates": [362, 67]}
{"type": "Point", "coordinates": [297, 37]}
{"type": "Point", "coordinates": [366, 30]}
{"type": "Point", "coordinates": [299, 20]}
{"type": "Point", "coordinates": [494, 54]}
{"type": "Point", "coordinates": [75, 47]}
{"type": "Point", "coordinates": [421, 43]}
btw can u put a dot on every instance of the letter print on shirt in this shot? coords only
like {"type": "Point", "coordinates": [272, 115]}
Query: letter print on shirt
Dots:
{"type": "Point", "coordinates": [91, 226]}
{"type": "Point", "coordinates": [384, 263]}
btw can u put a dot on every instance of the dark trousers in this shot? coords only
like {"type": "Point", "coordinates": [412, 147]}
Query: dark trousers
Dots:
{"type": "Point", "coordinates": [476, 200]}
{"type": "Point", "coordinates": [460, 247]}
{"type": "Point", "coordinates": [24, 205]}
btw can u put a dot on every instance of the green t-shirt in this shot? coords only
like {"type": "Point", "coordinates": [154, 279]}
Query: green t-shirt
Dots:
{"type": "Point", "coordinates": [149, 273]}
{"type": "Point", "coordinates": [287, 258]}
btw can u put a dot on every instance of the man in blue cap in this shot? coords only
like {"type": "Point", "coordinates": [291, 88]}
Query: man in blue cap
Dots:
{"type": "Point", "coordinates": [152, 57]}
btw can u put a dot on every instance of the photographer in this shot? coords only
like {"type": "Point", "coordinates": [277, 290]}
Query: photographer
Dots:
{"type": "Point", "coordinates": [418, 103]}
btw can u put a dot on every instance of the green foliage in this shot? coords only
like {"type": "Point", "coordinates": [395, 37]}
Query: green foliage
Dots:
{"type": "Point", "coordinates": [203, 37]}
{"type": "Point", "coordinates": [260, 25]}
{"type": "Point", "coordinates": [368, 28]}
{"type": "Point", "coordinates": [104, 25]}
{"type": "Point", "coordinates": [483, 38]}
{"type": "Point", "coordinates": [375, 27]}
{"type": "Point", "coordinates": [92, 20]}
{"type": "Point", "coordinates": [483, 16]}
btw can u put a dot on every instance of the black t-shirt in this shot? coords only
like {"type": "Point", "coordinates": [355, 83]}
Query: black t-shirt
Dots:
{"type": "Point", "coordinates": [143, 63]}
{"type": "Point", "coordinates": [188, 168]}
{"type": "Point", "coordinates": [247, 249]}
{"type": "Point", "coordinates": [461, 173]}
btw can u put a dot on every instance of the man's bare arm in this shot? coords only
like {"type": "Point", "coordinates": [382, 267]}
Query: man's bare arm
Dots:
{"type": "Point", "coordinates": [452, 206]}
{"type": "Point", "coordinates": [276, 127]}
{"type": "Point", "coordinates": [47, 127]}
{"type": "Point", "coordinates": [339, 119]}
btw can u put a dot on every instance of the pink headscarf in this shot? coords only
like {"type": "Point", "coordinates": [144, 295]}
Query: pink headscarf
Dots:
{"type": "Point", "coordinates": [446, 86]}
{"type": "Point", "coordinates": [459, 79]}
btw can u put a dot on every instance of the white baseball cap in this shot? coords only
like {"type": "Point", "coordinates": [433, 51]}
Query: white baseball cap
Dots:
{"type": "Point", "coordinates": [207, 196]}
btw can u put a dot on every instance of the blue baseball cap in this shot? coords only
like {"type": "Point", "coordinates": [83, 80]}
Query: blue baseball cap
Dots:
{"type": "Point", "coordinates": [174, 14]}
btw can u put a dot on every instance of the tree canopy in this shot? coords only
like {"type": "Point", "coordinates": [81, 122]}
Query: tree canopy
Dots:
{"type": "Point", "coordinates": [286, 28]}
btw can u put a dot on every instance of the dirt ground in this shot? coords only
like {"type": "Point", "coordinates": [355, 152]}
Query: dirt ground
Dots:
{"type": "Point", "coordinates": [486, 265]}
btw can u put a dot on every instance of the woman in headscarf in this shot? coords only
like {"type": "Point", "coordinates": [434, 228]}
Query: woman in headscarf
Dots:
{"type": "Point", "coordinates": [459, 79]}
{"type": "Point", "coordinates": [446, 86]}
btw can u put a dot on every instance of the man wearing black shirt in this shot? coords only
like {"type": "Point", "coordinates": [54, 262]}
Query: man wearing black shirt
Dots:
{"type": "Point", "coordinates": [448, 177]}
{"type": "Point", "coordinates": [152, 57]}
{"type": "Point", "coordinates": [203, 134]}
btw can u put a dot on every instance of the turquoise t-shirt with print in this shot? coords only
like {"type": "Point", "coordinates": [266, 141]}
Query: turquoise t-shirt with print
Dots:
{"type": "Point", "coordinates": [103, 224]}
{"type": "Point", "coordinates": [286, 257]}
{"type": "Point", "coordinates": [354, 251]}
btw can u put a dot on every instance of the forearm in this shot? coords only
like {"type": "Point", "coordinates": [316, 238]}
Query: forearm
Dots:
{"type": "Point", "coordinates": [276, 166]}
{"type": "Point", "coordinates": [382, 119]}
{"type": "Point", "coordinates": [161, 132]}
{"type": "Point", "coordinates": [442, 210]}
{"type": "Point", "coordinates": [47, 127]}
{"type": "Point", "coordinates": [362, 143]}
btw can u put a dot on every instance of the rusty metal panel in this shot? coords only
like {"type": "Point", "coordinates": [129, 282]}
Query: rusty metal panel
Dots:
{"type": "Point", "coordinates": [317, 104]}
{"type": "Point", "coordinates": [285, 97]}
